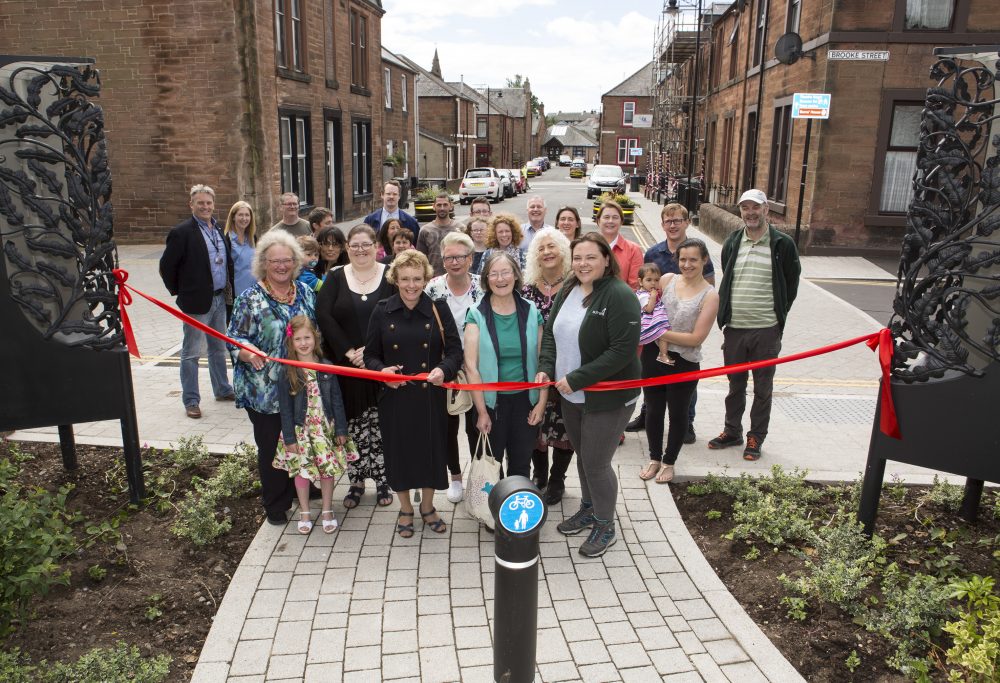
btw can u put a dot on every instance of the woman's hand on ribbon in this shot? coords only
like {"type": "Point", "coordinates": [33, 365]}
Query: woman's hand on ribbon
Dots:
{"type": "Point", "coordinates": [436, 377]}
{"type": "Point", "coordinates": [253, 357]}
{"type": "Point", "coordinates": [563, 387]}
{"type": "Point", "coordinates": [395, 370]}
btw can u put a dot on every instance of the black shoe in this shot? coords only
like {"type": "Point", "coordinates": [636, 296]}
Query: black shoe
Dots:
{"type": "Point", "coordinates": [277, 518]}
{"type": "Point", "coordinates": [690, 437]}
{"type": "Point", "coordinates": [725, 440]}
{"type": "Point", "coordinates": [554, 491]}
{"type": "Point", "coordinates": [638, 423]}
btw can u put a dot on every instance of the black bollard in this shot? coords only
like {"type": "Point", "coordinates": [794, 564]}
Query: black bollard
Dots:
{"type": "Point", "coordinates": [518, 515]}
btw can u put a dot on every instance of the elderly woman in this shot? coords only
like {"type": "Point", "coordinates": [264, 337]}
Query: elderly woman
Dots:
{"type": "Point", "coordinates": [502, 337]}
{"type": "Point", "coordinates": [478, 229]}
{"type": "Point", "coordinates": [505, 235]}
{"type": "Point", "coordinates": [568, 222]}
{"type": "Point", "coordinates": [548, 265]}
{"type": "Point", "coordinates": [411, 334]}
{"type": "Point", "coordinates": [345, 304]}
{"type": "Point", "coordinates": [592, 335]}
{"type": "Point", "coordinates": [260, 318]}
{"type": "Point", "coordinates": [460, 291]}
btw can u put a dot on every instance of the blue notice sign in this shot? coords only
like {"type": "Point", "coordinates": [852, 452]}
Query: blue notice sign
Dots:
{"type": "Point", "coordinates": [521, 512]}
{"type": "Point", "coordinates": [810, 105]}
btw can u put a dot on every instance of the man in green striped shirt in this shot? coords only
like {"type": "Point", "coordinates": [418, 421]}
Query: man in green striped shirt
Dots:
{"type": "Point", "coordinates": [759, 283]}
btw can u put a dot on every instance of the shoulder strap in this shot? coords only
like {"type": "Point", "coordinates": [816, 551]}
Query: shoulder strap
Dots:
{"type": "Point", "coordinates": [437, 316]}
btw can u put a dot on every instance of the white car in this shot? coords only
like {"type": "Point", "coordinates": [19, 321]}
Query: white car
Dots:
{"type": "Point", "coordinates": [481, 182]}
{"type": "Point", "coordinates": [565, 160]}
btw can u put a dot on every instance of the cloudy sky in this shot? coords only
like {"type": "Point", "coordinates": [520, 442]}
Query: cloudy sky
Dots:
{"type": "Point", "coordinates": [571, 50]}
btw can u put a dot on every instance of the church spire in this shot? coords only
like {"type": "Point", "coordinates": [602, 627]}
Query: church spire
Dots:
{"type": "Point", "coordinates": [436, 65]}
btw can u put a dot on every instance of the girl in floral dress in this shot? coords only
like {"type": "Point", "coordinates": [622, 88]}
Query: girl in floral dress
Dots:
{"type": "Point", "coordinates": [314, 445]}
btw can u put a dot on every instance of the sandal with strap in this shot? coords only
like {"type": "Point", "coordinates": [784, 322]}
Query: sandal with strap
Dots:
{"type": "Point", "coordinates": [353, 497]}
{"type": "Point", "coordinates": [648, 472]}
{"type": "Point", "coordinates": [305, 525]}
{"type": "Point", "coordinates": [405, 530]}
{"type": "Point", "coordinates": [437, 526]}
{"type": "Point", "coordinates": [329, 525]}
{"type": "Point", "coordinates": [383, 495]}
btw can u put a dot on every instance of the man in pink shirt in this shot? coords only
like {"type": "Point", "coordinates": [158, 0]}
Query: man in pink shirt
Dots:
{"type": "Point", "coordinates": [628, 254]}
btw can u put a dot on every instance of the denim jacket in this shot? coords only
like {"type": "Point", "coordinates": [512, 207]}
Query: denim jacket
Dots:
{"type": "Point", "coordinates": [293, 408]}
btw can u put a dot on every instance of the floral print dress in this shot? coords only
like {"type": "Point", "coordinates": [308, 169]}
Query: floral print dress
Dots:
{"type": "Point", "coordinates": [552, 430]}
{"type": "Point", "coordinates": [319, 456]}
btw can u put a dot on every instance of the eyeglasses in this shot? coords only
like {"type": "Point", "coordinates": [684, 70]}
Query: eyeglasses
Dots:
{"type": "Point", "coordinates": [361, 246]}
{"type": "Point", "coordinates": [674, 221]}
{"type": "Point", "coordinates": [455, 259]}
{"type": "Point", "coordinates": [280, 261]}
{"type": "Point", "coordinates": [501, 275]}
{"type": "Point", "coordinates": [481, 212]}
{"type": "Point", "coordinates": [295, 204]}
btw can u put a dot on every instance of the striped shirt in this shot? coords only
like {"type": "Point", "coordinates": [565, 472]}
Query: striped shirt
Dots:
{"type": "Point", "coordinates": [753, 295]}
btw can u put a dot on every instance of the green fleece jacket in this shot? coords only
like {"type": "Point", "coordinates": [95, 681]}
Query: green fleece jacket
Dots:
{"type": "Point", "coordinates": [609, 340]}
{"type": "Point", "coordinates": [785, 271]}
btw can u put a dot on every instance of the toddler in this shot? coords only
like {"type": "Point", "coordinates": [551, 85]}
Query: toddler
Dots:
{"type": "Point", "coordinates": [654, 315]}
{"type": "Point", "coordinates": [310, 247]}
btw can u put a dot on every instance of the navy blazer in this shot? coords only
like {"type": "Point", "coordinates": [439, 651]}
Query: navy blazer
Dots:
{"type": "Point", "coordinates": [293, 408]}
{"type": "Point", "coordinates": [374, 219]}
{"type": "Point", "coordinates": [186, 269]}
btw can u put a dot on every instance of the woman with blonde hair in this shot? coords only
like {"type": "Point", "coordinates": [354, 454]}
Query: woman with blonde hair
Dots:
{"type": "Point", "coordinates": [241, 230]}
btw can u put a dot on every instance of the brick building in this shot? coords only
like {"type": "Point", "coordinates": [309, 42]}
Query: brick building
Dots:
{"type": "Point", "coordinates": [620, 131]}
{"type": "Point", "coordinates": [251, 97]}
{"type": "Point", "coordinates": [399, 117]}
{"type": "Point", "coordinates": [872, 58]}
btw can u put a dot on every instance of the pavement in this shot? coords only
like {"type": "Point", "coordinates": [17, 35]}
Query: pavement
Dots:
{"type": "Point", "coordinates": [364, 604]}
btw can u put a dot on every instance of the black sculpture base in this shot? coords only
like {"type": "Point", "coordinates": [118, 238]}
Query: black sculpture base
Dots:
{"type": "Point", "coordinates": [951, 425]}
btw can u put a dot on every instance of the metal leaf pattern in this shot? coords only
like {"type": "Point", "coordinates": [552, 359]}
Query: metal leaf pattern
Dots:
{"type": "Point", "coordinates": [55, 203]}
{"type": "Point", "coordinates": [945, 313]}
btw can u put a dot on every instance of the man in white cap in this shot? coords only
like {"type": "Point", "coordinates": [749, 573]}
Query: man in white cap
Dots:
{"type": "Point", "coordinates": [760, 280]}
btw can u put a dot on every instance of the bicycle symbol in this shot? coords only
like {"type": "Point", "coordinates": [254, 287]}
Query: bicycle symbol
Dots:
{"type": "Point", "coordinates": [521, 501]}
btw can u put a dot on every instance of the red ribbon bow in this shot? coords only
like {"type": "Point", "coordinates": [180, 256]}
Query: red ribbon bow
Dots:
{"type": "Point", "coordinates": [888, 422]}
{"type": "Point", "coordinates": [125, 299]}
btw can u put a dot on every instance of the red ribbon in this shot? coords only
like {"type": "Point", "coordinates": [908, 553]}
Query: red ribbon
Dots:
{"type": "Point", "coordinates": [125, 299]}
{"type": "Point", "coordinates": [881, 340]}
{"type": "Point", "coordinates": [888, 422]}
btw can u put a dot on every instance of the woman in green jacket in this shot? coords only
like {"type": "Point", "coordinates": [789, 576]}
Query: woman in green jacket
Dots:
{"type": "Point", "coordinates": [592, 335]}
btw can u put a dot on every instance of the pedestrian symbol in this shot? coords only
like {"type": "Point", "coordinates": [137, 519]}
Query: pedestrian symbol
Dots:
{"type": "Point", "coordinates": [521, 512]}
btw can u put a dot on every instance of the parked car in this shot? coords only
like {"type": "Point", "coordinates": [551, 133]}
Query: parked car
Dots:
{"type": "Point", "coordinates": [507, 183]}
{"type": "Point", "coordinates": [578, 168]}
{"type": "Point", "coordinates": [480, 182]}
{"type": "Point", "coordinates": [605, 178]}
{"type": "Point", "coordinates": [565, 160]}
{"type": "Point", "coordinates": [544, 163]}
{"type": "Point", "coordinates": [533, 169]}
{"type": "Point", "coordinates": [520, 183]}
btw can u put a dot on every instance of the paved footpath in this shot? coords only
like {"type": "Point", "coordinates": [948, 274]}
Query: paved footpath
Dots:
{"type": "Point", "coordinates": [364, 604]}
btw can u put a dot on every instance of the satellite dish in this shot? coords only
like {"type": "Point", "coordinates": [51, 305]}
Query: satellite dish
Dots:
{"type": "Point", "coordinates": [788, 49]}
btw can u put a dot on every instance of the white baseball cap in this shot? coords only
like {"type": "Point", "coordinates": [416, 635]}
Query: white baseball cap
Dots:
{"type": "Point", "coordinates": [755, 196]}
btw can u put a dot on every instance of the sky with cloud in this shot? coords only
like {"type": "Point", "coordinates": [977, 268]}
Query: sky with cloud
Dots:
{"type": "Point", "coordinates": [572, 51]}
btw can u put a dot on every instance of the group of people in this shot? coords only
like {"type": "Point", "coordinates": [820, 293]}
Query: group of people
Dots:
{"type": "Point", "coordinates": [503, 300]}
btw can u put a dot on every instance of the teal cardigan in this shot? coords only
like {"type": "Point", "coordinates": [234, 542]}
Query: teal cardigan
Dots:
{"type": "Point", "coordinates": [489, 364]}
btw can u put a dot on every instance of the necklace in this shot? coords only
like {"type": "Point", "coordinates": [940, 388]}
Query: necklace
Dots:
{"type": "Point", "coordinates": [286, 298]}
{"type": "Point", "coordinates": [550, 285]}
{"type": "Point", "coordinates": [362, 283]}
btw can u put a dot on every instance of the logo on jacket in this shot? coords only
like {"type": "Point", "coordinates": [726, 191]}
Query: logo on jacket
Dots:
{"type": "Point", "coordinates": [600, 312]}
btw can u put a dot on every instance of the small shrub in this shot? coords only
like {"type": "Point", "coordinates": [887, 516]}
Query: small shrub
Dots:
{"type": "Point", "coordinates": [702, 490]}
{"type": "Point", "coordinates": [853, 661]}
{"type": "Point", "coordinates": [796, 606]}
{"type": "Point", "coordinates": [198, 515]}
{"type": "Point", "coordinates": [97, 573]}
{"type": "Point", "coordinates": [945, 494]}
{"type": "Point", "coordinates": [976, 633]}
{"type": "Point", "coordinates": [119, 663]}
{"type": "Point", "coordinates": [713, 514]}
{"type": "Point", "coordinates": [17, 668]}
{"type": "Point", "coordinates": [752, 554]}
{"type": "Point", "coordinates": [772, 520]}
{"type": "Point", "coordinates": [189, 451]}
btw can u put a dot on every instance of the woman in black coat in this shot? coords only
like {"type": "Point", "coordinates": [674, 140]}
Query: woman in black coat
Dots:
{"type": "Point", "coordinates": [411, 334]}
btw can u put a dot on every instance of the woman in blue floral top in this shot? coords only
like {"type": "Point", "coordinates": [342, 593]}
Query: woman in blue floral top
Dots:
{"type": "Point", "coordinates": [461, 292]}
{"type": "Point", "coordinates": [260, 318]}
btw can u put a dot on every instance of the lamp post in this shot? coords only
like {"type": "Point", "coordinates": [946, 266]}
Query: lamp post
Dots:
{"type": "Point", "coordinates": [673, 10]}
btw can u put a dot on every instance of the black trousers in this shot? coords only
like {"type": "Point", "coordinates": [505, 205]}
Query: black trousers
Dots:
{"type": "Point", "coordinates": [511, 432]}
{"type": "Point", "coordinates": [276, 488]}
{"type": "Point", "coordinates": [471, 433]}
{"type": "Point", "coordinates": [674, 400]}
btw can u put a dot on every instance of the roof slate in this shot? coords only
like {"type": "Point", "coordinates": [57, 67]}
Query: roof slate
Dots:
{"type": "Point", "coordinates": [638, 84]}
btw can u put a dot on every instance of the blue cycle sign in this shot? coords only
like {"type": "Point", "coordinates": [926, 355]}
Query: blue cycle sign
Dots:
{"type": "Point", "coordinates": [521, 512]}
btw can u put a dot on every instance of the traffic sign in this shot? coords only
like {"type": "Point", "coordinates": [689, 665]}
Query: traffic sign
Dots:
{"type": "Point", "coordinates": [810, 105]}
{"type": "Point", "coordinates": [521, 512]}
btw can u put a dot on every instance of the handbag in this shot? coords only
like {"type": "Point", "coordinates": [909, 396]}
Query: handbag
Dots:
{"type": "Point", "coordinates": [483, 476]}
{"type": "Point", "coordinates": [459, 401]}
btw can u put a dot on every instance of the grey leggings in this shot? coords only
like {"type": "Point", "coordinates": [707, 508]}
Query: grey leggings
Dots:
{"type": "Point", "coordinates": [595, 439]}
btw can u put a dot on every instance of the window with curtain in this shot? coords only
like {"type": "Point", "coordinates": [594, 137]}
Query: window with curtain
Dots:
{"type": "Point", "coordinates": [900, 159]}
{"type": "Point", "coordinates": [294, 141]}
{"type": "Point", "coordinates": [361, 152]}
{"type": "Point", "coordinates": [359, 50]}
{"type": "Point", "coordinates": [628, 113]}
{"type": "Point", "coordinates": [929, 15]}
{"type": "Point", "coordinates": [781, 141]}
{"type": "Point", "coordinates": [402, 101]}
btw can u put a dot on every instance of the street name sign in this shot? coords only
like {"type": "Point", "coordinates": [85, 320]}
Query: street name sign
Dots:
{"type": "Point", "coordinates": [859, 55]}
{"type": "Point", "coordinates": [806, 105]}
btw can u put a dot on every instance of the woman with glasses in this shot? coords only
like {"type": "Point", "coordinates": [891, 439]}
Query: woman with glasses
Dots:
{"type": "Point", "coordinates": [568, 222]}
{"type": "Point", "coordinates": [460, 291]}
{"type": "Point", "coordinates": [478, 229]}
{"type": "Point", "coordinates": [502, 337]}
{"type": "Point", "coordinates": [592, 335]}
{"type": "Point", "coordinates": [332, 250]}
{"type": "Point", "coordinates": [343, 310]}
{"type": "Point", "coordinates": [260, 320]}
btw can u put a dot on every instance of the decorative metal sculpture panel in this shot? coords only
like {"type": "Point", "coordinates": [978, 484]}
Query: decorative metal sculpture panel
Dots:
{"type": "Point", "coordinates": [55, 189]}
{"type": "Point", "coordinates": [947, 305]}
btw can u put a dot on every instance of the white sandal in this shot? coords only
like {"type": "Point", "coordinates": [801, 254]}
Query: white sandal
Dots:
{"type": "Point", "coordinates": [305, 525]}
{"type": "Point", "coordinates": [329, 525]}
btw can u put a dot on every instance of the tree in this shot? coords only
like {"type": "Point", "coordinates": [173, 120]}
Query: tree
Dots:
{"type": "Point", "coordinates": [522, 82]}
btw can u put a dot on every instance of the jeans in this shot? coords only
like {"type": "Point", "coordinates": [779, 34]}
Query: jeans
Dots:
{"type": "Point", "coordinates": [594, 436]}
{"type": "Point", "coordinates": [192, 348]}
{"type": "Point", "coordinates": [512, 433]}
{"type": "Point", "coordinates": [744, 346]}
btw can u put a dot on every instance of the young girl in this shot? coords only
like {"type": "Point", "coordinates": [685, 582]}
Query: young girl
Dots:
{"type": "Point", "coordinates": [401, 241]}
{"type": "Point", "coordinates": [314, 444]}
{"type": "Point", "coordinates": [654, 315]}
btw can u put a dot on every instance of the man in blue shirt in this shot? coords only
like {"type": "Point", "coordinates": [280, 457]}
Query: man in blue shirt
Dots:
{"type": "Point", "coordinates": [674, 220]}
{"type": "Point", "coordinates": [390, 209]}
{"type": "Point", "coordinates": [197, 267]}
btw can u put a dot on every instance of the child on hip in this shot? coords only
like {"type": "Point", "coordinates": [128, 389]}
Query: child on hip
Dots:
{"type": "Point", "coordinates": [654, 315]}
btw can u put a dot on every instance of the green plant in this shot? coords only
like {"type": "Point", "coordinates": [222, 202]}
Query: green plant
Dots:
{"type": "Point", "coordinates": [768, 518]}
{"type": "Point", "coordinates": [428, 194]}
{"type": "Point", "coordinates": [199, 518]}
{"type": "Point", "coordinates": [97, 573]}
{"type": "Point", "coordinates": [701, 490]}
{"type": "Point", "coordinates": [896, 488]}
{"type": "Point", "coordinates": [943, 493]}
{"type": "Point", "coordinates": [35, 535]}
{"type": "Point", "coordinates": [853, 661]}
{"type": "Point", "coordinates": [16, 668]}
{"type": "Point", "coordinates": [752, 554]}
{"type": "Point", "coordinates": [119, 663]}
{"type": "Point", "coordinates": [189, 451]}
{"type": "Point", "coordinates": [796, 606]}
{"type": "Point", "coordinates": [976, 633]}
{"type": "Point", "coordinates": [154, 603]}
{"type": "Point", "coordinates": [713, 514]}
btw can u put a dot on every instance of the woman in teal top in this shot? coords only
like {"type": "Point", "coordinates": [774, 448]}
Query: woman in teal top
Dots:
{"type": "Point", "coordinates": [502, 338]}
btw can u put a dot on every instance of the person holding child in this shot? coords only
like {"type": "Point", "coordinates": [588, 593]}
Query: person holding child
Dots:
{"type": "Point", "coordinates": [691, 304]}
{"type": "Point", "coordinates": [654, 316]}
{"type": "Point", "coordinates": [313, 424]}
